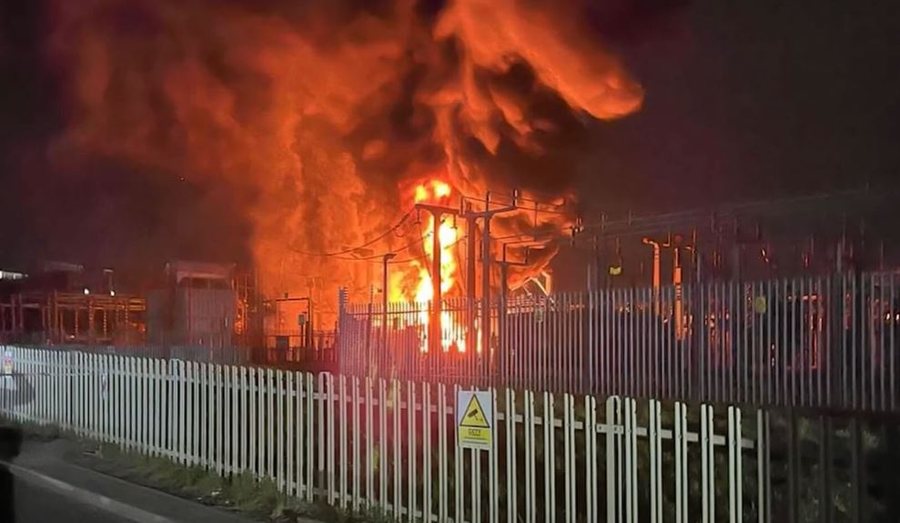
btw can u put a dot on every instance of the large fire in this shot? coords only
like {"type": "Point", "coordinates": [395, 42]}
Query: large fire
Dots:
{"type": "Point", "coordinates": [434, 191]}
{"type": "Point", "coordinates": [418, 270]}
{"type": "Point", "coordinates": [305, 118]}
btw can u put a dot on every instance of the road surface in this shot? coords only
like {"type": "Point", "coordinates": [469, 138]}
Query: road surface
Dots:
{"type": "Point", "coordinates": [35, 504]}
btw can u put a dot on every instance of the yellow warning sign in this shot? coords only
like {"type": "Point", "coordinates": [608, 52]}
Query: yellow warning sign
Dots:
{"type": "Point", "coordinates": [760, 305]}
{"type": "Point", "coordinates": [474, 414]}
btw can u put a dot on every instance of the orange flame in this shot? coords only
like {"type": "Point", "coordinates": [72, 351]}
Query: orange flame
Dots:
{"type": "Point", "coordinates": [448, 235]}
{"type": "Point", "coordinates": [279, 114]}
{"type": "Point", "coordinates": [438, 192]}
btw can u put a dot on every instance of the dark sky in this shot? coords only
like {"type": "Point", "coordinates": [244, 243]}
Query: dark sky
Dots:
{"type": "Point", "coordinates": [748, 100]}
{"type": "Point", "coordinates": [100, 213]}
{"type": "Point", "coordinates": [744, 100]}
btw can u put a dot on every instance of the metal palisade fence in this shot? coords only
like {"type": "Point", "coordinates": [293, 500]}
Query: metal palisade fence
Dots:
{"type": "Point", "coordinates": [391, 446]}
{"type": "Point", "coordinates": [829, 342]}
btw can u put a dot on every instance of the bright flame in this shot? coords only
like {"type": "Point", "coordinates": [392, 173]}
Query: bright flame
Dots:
{"type": "Point", "coordinates": [448, 235]}
{"type": "Point", "coordinates": [291, 122]}
{"type": "Point", "coordinates": [437, 192]}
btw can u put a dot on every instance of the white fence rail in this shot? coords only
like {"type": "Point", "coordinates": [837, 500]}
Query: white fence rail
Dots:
{"type": "Point", "coordinates": [373, 444]}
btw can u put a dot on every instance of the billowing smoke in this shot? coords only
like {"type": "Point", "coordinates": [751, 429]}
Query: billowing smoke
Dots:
{"type": "Point", "coordinates": [314, 117]}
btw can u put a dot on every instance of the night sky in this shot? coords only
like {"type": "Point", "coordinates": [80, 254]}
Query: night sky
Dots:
{"type": "Point", "coordinates": [744, 100]}
{"type": "Point", "coordinates": [749, 100]}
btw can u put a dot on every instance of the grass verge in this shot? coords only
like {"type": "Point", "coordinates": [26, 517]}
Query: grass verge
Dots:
{"type": "Point", "coordinates": [244, 494]}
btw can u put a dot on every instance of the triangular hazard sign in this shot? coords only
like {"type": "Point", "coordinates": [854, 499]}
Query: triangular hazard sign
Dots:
{"type": "Point", "coordinates": [474, 416]}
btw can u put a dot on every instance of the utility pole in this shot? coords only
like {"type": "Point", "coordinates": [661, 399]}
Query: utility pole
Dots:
{"type": "Point", "coordinates": [434, 324]}
{"type": "Point", "coordinates": [471, 284]}
{"type": "Point", "coordinates": [471, 224]}
{"type": "Point", "coordinates": [656, 257]}
{"type": "Point", "coordinates": [676, 244]}
{"type": "Point", "coordinates": [471, 216]}
{"type": "Point", "coordinates": [486, 260]}
{"type": "Point", "coordinates": [656, 269]}
{"type": "Point", "coordinates": [384, 303]}
{"type": "Point", "coordinates": [486, 283]}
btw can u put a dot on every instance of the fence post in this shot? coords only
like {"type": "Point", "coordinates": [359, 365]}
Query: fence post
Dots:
{"type": "Point", "coordinates": [589, 344]}
{"type": "Point", "coordinates": [549, 461]}
{"type": "Point", "coordinates": [656, 451]}
{"type": "Point", "coordinates": [341, 464]}
{"type": "Point", "coordinates": [291, 396]}
{"type": "Point", "coordinates": [270, 425]}
{"type": "Point", "coordinates": [280, 430]}
{"type": "Point", "coordinates": [369, 403]}
{"type": "Point", "coordinates": [836, 346]}
{"type": "Point", "coordinates": [395, 425]}
{"type": "Point", "coordinates": [459, 509]}
{"type": "Point", "coordinates": [494, 491]}
{"type": "Point", "coordinates": [356, 434]}
{"type": "Point", "coordinates": [631, 461]}
{"type": "Point", "coordinates": [511, 476]}
{"type": "Point", "coordinates": [426, 452]}
{"type": "Point", "coordinates": [411, 449]}
{"type": "Point", "coordinates": [221, 425]}
{"type": "Point", "coordinates": [341, 351]}
{"type": "Point", "coordinates": [707, 461]}
{"type": "Point", "coordinates": [570, 463]}
{"type": "Point", "coordinates": [735, 469]}
{"type": "Point", "coordinates": [613, 458]}
{"type": "Point", "coordinates": [321, 441]}
{"type": "Point", "coordinates": [682, 487]}
{"type": "Point", "coordinates": [368, 365]}
{"type": "Point", "coordinates": [310, 431]}
{"type": "Point", "coordinates": [196, 450]}
{"type": "Point", "coordinates": [442, 451]}
{"type": "Point", "coordinates": [702, 378]}
{"type": "Point", "coordinates": [763, 474]}
{"type": "Point", "coordinates": [382, 442]}
{"type": "Point", "coordinates": [530, 451]}
{"type": "Point", "coordinates": [244, 427]}
{"type": "Point", "coordinates": [590, 457]}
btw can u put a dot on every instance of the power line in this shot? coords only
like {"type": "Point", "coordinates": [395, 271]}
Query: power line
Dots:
{"type": "Point", "coordinates": [417, 241]}
{"type": "Point", "coordinates": [378, 256]}
{"type": "Point", "coordinates": [352, 249]}
{"type": "Point", "coordinates": [402, 249]}
{"type": "Point", "coordinates": [414, 258]}
{"type": "Point", "coordinates": [538, 210]}
{"type": "Point", "coordinates": [822, 202]}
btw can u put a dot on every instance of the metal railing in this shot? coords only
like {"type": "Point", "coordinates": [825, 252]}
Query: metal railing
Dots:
{"type": "Point", "coordinates": [817, 342]}
{"type": "Point", "coordinates": [391, 446]}
{"type": "Point", "coordinates": [225, 355]}
{"type": "Point", "coordinates": [308, 360]}
{"type": "Point", "coordinates": [318, 340]}
{"type": "Point", "coordinates": [321, 357]}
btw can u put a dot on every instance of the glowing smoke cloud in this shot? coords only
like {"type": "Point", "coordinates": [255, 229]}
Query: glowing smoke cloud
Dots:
{"type": "Point", "coordinates": [318, 116]}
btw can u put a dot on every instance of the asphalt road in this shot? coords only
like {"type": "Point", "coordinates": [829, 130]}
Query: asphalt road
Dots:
{"type": "Point", "coordinates": [34, 504]}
